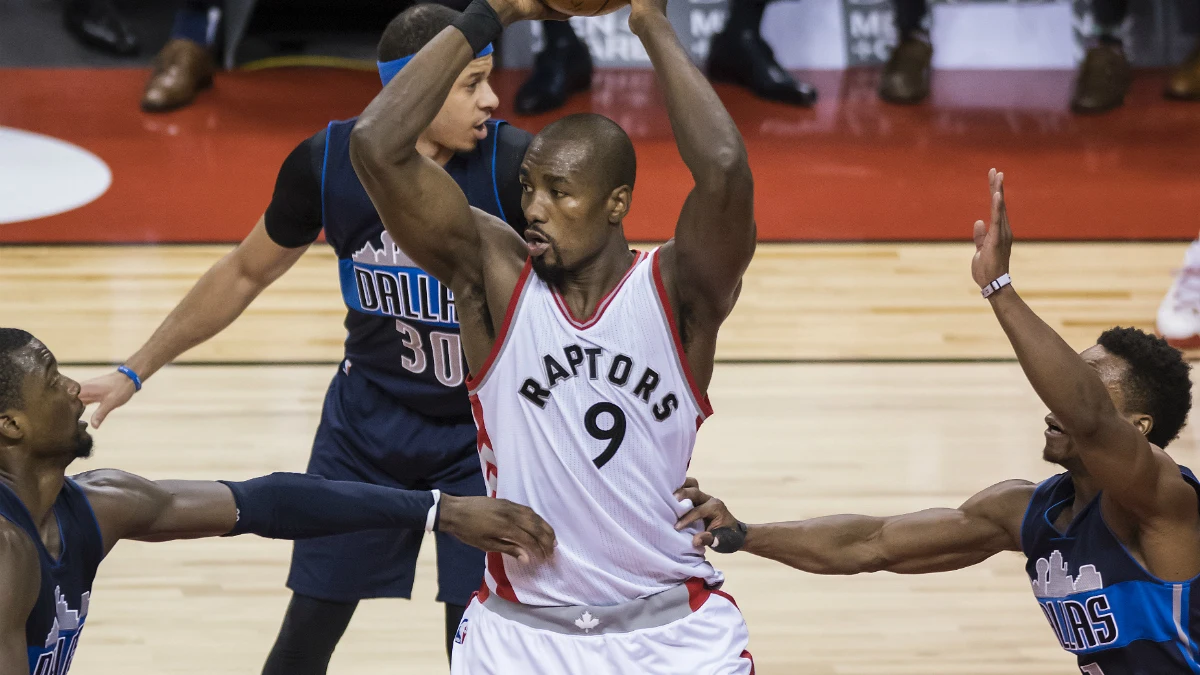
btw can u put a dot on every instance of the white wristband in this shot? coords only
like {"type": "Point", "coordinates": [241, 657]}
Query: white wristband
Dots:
{"type": "Point", "coordinates": [432, 517]}
{"type": "Point", "coordinates": [1002, 281]}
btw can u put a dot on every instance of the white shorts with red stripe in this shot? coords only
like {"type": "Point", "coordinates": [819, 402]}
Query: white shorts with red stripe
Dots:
{"type": "Point", "coordinates": [687, 630]}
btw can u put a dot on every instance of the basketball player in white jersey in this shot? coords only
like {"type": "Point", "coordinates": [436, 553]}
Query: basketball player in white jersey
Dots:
{"type": "Point", "coordinates": [589, 361]}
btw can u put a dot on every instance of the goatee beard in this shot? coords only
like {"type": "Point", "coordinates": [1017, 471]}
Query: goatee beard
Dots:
{"type": "Point", "coordinates": [554, 275]}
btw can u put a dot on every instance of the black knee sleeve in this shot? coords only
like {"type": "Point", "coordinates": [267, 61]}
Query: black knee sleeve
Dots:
{"type": "Point", "coordinates": [311, 629]}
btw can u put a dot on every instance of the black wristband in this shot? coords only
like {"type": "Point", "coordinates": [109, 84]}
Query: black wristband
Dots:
{"type": "Point", "coordinates": [480, 24]}
{"type": "Point", "coordinates": [729, 539]}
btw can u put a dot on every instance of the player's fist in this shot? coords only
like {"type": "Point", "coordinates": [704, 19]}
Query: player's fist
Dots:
{"type": "Point", "coordinates": [993, 240]}
{"type": "Point", "coordinates": [497, 525]}
{"type": "Point", "coordinates": [111, 391]}
{"type": "Point", "coordinates": [722, 532]}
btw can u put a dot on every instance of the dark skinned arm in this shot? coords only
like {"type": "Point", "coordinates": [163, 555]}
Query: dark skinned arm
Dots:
{"type": "Point", "coordinates": [1142, 479]}
{"type": "Point", "coordinates": [933, 540]}
{"type": "Point", "coordinates": [715, 236]}
{"type": "Point", "coordinates": [132, 507]}
{"type": "Point", "coordinates": [20, 579]}
{"type": "Point", "coordinates": [421, 206]}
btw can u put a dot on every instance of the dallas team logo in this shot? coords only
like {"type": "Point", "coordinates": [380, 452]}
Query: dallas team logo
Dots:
{"type": "Point", "coordinates": [63, 637]}
{"type": "Point", "coordinates": [1081, 619]}
{"type": "Point", "coordinates": [384, 281]}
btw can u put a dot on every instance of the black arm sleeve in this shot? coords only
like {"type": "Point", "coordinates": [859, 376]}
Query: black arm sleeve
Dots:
{"type": "Point", "coordinates": [511, 144]}
{"type": "Point", "coordinates": [300, 506]}
{"type": "Point", "coordinates": [293, 217]}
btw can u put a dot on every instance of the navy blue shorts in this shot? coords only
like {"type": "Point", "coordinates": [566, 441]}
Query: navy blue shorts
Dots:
{"type": "Point", "coordinates": [367, 436]}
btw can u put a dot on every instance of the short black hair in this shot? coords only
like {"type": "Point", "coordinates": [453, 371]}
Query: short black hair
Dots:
{"type": "Point", "coordinates": [413, 28]}
{"type": "Point", "coordinates": [1158, 382]}
{"type": "Point", "coordinates": [12, 376]}
{"type": "Point", "coordinates": [612, 149]}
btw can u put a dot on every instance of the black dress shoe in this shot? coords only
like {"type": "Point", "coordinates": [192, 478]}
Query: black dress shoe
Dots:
{"type": "Point", "coordinates": [744, 58]}
{"type": "Point", "coordinates": [562, 68]}
{"type": "Point", "coordinates": [97, 23]}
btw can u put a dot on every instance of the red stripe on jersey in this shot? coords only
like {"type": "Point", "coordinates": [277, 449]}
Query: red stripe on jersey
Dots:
{"type": "Point", "coordinates": [702, 399]}
{"type": "Point", "coordinates": [746, 655]}
{"type": "Point", "coordinates": [604, 302]}
{"type": "Point", "coordinates": [727, 596]}
{"type": "Point", "coordinates": [698, 593]}
{"type": "Point", "coordinates": [495, 566]}
{"type": "Point", "coordinates": [482, 594]}
{"type": "Point", "coordinates": [513, 301]}
{"type": "Point", "coordinates": [482, 440]}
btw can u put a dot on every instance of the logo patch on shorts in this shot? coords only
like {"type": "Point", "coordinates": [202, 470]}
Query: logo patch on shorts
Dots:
{"type": "Point", "coordinates": [460, 635]}
{"type": "Point", "coordinates": [587, 622]}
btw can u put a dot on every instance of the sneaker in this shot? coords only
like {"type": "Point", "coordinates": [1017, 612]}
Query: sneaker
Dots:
{"type": "Point", "coordinates": [1179, 313]}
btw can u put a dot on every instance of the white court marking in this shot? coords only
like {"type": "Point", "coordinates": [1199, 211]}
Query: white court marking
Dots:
{"type": "Point", "coordinates": [42, 176]}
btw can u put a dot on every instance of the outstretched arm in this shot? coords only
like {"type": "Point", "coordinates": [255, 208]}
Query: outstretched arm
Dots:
{"type": "Point", "coordinates": [218, 298]}
{"type": "Point", "coordinates": [933, 540]}
{"type": "Point", "coordinates": [715, 236]}
{"type": "Point", "coordinates": [301, 506]}
{"type": "Point", "coordinates": [1140, 478]}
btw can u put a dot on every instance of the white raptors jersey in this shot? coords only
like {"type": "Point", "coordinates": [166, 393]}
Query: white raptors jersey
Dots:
{"type": "Point", "coordinates": [591, 424]}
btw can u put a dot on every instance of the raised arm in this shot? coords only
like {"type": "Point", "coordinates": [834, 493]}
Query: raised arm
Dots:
{"type": "Point", "coordinates": [1142, 479]}
{"type": "Point", "coordinates": [217, 299]}
{"type": "Point", "coordinates": [421, 206]}
{"type": "Point", "coordinates": [715, 236]}
{"type": "Point", "coordinates": [300, 506]}
{"type": "Point", "coordinates": [20, 578]}
{"type": "Point", "coordinates": [933, 540]}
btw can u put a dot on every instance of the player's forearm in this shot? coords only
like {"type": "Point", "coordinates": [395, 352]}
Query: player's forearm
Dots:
{"type": "Point", "coordinates": [829, 545]}
{"type": "Point", "coordinates": [219, 297]}
{"type": "Point", "coordinates": [1066, 384]}
{"type": "Point", "coordinates": [709, 142]}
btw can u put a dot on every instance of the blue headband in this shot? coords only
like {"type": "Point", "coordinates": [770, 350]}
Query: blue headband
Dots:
{"type": "Point", "coordinates": [389, 69]}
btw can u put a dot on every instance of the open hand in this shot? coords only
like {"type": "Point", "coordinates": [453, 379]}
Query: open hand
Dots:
{"type": "Point", "coordinates": [497, 525]}
{"type": "Point", "coordinates": [718, 521]}
{"type": "Point", "coordinates": [111, 391]}
{"type": "Point", "coordinates": [993, 241]}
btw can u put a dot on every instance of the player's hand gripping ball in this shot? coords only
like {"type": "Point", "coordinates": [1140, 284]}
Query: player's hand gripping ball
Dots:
{"type": "Point", "coordinates": [586, 7]}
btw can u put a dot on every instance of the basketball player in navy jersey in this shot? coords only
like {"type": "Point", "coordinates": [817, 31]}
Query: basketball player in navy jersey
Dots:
{"type": "Point", "coordinates": [396, 413]}
{"type": "Point", "coordinates": [55, 530]}
{"type": "Point", "coordinates": [589, 361]}
{"type": "Point", "coordinates": [1113, 543]}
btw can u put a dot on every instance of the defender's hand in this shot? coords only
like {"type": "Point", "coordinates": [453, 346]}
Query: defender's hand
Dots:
{"type": "Point", "coordinates": [111, 391]}
{"type": "Point", "coordinates": [993, 241]}
{"type": "Point", "coordinates": [712, 511]}
{"type": "Point", "coordinates": [511, 11]}
{"type": "Point", "coordinates": [497, 525]}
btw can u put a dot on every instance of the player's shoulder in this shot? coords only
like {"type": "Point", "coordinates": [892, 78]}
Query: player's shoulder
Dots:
{"type": "Point", "coordinates": [512, 137]}
{"type": "Point", "coordinates": [499, 237]}
{"type": "Point", "coordinates": [113, 485]}
{"type": "Point", "coordinates": [1002, 499]}
{"type": "Point", "coordinates": [18, 553]}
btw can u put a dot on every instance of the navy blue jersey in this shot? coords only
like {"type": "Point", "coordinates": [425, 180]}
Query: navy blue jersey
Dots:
{"type": "Point", "coordinates": [52, 629]}
{"type": "Point", "coordinates": [1104, 607]}
{"type": "Point", "coordinates": [402, 329]}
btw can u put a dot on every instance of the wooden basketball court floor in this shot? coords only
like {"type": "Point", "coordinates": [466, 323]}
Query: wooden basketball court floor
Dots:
{"type": "Point", "coordinates": [853, 378]}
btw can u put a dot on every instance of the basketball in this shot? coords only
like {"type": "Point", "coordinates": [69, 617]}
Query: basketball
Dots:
{"type": "Point", "coordinates": [586, 7]}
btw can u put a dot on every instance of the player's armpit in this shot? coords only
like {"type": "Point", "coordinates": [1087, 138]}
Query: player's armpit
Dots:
{"type": "Point", "coordinates": [933, 540]}
{"type": "Point", "coordinates": [131, 507]}
{"type": "Point", "coordinates": [20, 579]}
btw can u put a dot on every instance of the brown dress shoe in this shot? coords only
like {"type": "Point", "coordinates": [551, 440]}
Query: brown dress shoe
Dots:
{"type": "Point", "coordinates": [1184, 83]}
{"type": "Point", "coordinates": [906, 74]}
{"type": "Point", "coordinates": [1103, 80]}
{"type": "Point", "coordinates": [181, 69]}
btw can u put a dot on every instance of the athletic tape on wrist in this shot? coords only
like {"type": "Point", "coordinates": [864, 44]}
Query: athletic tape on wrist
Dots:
{"type": "Point", "coordinates": [480, 24]}
{"type": "Point", "coordinates": [431, 519]}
